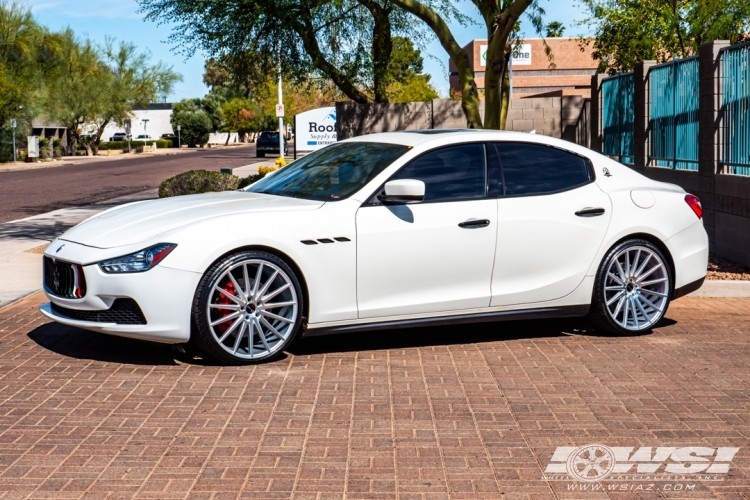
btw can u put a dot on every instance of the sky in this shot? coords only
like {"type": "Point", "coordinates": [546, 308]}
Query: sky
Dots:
{"type": "Point", "coordinates": [97, 19]}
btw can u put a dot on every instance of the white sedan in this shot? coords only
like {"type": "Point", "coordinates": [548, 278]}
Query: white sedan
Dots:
{"type": "Point", "coordinates": [386, 231]}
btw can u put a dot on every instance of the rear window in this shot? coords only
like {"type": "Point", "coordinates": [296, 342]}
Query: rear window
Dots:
{"type": "Point", "coordinates": [269, 137]}
{"type": "Point", "coordinates": [530, 169]}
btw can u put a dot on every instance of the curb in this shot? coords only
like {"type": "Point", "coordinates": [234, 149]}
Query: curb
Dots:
{"type": "Point", "coordinates": [722, 289]}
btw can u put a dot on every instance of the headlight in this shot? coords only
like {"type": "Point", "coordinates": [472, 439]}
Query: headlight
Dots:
{"type": "Point", "coordinates": [139, 261]}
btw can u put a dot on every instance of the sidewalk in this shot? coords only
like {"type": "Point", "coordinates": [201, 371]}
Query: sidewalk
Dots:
{"type": "Point", "coordinates": [23, 241]}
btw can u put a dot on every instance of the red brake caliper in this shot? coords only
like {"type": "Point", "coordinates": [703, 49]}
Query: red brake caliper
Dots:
{"type": "Point", "coordinates": [223, 299]}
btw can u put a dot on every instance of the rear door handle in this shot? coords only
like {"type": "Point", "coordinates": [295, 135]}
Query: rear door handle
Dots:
{"type": "Point", "coordinates": [471, 224]}
{"type": "Point", "coordinates": [590, 212]}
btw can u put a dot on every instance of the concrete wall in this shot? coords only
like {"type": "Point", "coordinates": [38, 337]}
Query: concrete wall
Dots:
{"type": "Point", "coordinates": [547, 115]}
{"type": "Point", "coordinates": [725, 198]}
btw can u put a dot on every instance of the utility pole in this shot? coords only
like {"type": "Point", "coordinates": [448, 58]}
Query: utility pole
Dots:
{"type": "Point", "coordinates": [179, 144]}
{"type": "Point", "coordinates": [280, 112]}
{"type": "Point", "coordinates": [13, 133]}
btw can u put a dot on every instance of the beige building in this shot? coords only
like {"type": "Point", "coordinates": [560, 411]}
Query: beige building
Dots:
{"type": "Point", "coordinates": [532, 75]}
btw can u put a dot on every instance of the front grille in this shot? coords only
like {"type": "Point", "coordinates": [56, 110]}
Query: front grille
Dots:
{"type": "Point", "coordinates": [64, 279]}
{"type": "Point", "coordinates": [122, 312]}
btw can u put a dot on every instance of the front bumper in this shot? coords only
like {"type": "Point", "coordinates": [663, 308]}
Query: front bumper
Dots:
{"type": "Point", "coordinates": [164, 295]}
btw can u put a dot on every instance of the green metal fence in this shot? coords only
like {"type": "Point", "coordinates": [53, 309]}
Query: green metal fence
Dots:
{"type": "Point", "coordinates": [735, 109]}
{"type": "Point", "coordinates": [673, 114]}
{"type": "Point", "coordinates": [618, 115]}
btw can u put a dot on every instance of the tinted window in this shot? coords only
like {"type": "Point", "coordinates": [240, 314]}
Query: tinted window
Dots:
{"type": "Point", "coordinates": [331, 173]}
{"type": "Point", "coordinates": [451, 173]}
{"type": "Point", "coordinates": [269, 137]}
{"type": "Point", "coordinates": [538, 169]}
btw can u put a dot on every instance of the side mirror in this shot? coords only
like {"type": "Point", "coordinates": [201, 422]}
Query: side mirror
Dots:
{"type": "Point", "coordinates": [403, 191]}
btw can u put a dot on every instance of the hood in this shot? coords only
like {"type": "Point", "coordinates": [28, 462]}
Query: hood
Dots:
{"type": "Point", "coordinates": [136, 222]}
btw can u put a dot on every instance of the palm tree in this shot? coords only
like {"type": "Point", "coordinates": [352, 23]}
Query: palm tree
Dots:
{"type": "Point", "coordinates": [554, 29]}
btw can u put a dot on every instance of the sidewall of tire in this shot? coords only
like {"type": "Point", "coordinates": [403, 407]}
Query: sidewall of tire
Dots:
{"type": "Point", "coordinates": [201, 334]}
{"type": "Point", "coordinates": [599, 314]}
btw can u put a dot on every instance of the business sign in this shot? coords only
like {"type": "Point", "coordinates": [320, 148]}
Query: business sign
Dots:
{"type": "Point", "coordinates": [521, 55]}
{"type": "Point", "coordinates": [315, 128]}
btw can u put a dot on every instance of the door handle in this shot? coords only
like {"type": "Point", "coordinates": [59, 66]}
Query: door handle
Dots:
{"type": "Point", "coordinates": [471, 224]}
{"type": "Point", "coordinates": [590, 212]}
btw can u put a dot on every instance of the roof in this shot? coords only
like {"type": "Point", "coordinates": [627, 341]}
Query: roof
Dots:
{"type": "Point", "coordinates": [416, 138]}
{"type": "Point", "coordinates": [154, 106]}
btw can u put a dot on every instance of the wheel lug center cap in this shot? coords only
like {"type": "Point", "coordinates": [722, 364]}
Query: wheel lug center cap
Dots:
{"type": "Point", "coordinates": [250, 308]}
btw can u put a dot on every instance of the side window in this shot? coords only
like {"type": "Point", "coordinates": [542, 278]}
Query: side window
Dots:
{"type": "Point", "coordinates": [450, 173]}
{"type": "Point", "coordinates": [537, 169]}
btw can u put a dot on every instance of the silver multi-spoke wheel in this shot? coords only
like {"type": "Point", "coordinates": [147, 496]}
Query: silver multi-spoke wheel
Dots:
{"type": "Point", "coordinates": [636, 288]}
{"type": "Point", "coordinates": [252, 309]}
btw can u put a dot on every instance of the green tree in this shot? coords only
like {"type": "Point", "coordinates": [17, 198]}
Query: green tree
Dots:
{"type": "Point", "coordinates": [500, 18]}
{"type": "Point", "coordinates": [628, 31]}
{"type": "Point", "coordinates": [26, 51]}
{"type": "Point", "coordinates": [194, 119]}
{"type": "Point", "coordinates": [348, 42]}
{"type": "Point", "coordinates": [134, 82]}
{"type": "Point", "coordinates": [80, 86]}
{"type": "Point", "coordinates": [554, 29]}
{"type": "Point", "coordinates": [406, 83]}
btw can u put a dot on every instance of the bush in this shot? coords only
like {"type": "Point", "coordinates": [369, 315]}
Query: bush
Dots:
{"type": "Point", "coordinates": [115, 145]}
{"type": "Point", "coordinates": [197, 181]}
{"type": "Point", "coordinates": [195, 121]}
{"type": "Point", "coordinates": [252, 179]}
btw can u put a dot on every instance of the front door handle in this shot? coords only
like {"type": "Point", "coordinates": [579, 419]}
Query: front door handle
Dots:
{"type": "Point", "coordinates": [590, 212]}
{"type": "Point", "coordinates": [471, 224]}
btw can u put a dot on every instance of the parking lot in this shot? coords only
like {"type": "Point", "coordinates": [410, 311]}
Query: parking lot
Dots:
{"type": "Point", "coordinates": [456, 412]}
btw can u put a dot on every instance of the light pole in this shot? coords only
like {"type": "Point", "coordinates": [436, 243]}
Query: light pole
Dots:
{"type": "Point", "coordinates": [280, 113]}
{"type": "Point", "coordinates": [13, 133]}
{"type": "Point", "coordinates": [179, 144]}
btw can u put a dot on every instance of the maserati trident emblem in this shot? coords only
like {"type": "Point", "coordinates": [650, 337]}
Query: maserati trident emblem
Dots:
{"type": "Point", "coordinates": [606, 173]}
{"type": "Point", "coordinates": [59, 248]}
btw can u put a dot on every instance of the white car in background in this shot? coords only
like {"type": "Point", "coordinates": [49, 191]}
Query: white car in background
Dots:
{"type": "Point", "coordinates": [383, 231]}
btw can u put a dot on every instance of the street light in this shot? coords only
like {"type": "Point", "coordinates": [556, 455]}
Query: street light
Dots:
{"type": "Point", "coordinates": [179, 143]}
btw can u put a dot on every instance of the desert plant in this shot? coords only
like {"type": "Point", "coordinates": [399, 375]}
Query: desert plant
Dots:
{"type": "Point", "coordinates": [197, 181]}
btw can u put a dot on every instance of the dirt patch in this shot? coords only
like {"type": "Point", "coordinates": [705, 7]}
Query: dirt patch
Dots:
{"type": "Point", "coordinates": [720, 268]}
{"type": "Point", "coordinates": [37, 250]}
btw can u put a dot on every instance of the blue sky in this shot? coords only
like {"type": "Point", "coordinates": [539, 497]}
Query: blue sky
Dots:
{"type": "Point", "coordinates": [119, 18]}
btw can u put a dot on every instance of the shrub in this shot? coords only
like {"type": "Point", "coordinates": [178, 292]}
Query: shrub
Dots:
{"type": "Point", "coordinates": [197, 181]}
{"type": "Point", "coordinates": [252, 179]}
{"type": "Point", "coordinates": [115, 145]}
{"type": "Point", "coordinates": [195, 121]}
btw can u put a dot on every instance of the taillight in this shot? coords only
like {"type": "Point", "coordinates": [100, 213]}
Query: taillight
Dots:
{"type": "Point", "coordinates": [695, 203]}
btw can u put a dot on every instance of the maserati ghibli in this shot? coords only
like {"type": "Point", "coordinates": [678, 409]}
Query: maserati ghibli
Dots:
{"type": "Point", "coordinates": [386, 231]}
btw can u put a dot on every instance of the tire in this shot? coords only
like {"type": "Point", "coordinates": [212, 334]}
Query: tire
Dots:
{"type": "Point", "coordinates": [260, 155]}
{"type": "Point", "coordinates": [631, 300]}
{"type": "Point", "coordinates": [272, 311]}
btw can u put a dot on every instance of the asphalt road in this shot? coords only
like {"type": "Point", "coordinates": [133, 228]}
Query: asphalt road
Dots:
{"type": "Point", "coordinates": [31, 192]}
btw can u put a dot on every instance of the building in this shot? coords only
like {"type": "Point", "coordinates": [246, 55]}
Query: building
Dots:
{"type": "Point", "coordinates": [531, 72]}
{"type": "Point", "coordinates": [150, 120]}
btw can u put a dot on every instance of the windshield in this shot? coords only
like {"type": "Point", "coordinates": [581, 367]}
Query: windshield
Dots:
{"type": "Point", "coordinates": [332, 173]}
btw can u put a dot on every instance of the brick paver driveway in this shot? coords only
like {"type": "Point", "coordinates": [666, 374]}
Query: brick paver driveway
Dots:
{"type": "Point", "coordinates": [460, 412]}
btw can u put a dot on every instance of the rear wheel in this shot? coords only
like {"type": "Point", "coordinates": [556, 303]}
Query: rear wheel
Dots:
{"type": "Point", "coordinates": [633, 288]}
{"type": "Point", "coordinates": [247, 309]}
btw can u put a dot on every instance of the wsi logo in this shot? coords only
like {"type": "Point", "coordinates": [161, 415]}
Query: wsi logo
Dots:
{"type": "Point", "coordinates": [597, 462]}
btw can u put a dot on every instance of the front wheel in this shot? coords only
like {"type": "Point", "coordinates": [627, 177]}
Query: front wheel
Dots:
{"type": "Point", "coordinates": [248, 308]}
{"type": "Point", "coordinates": [632, 289]}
